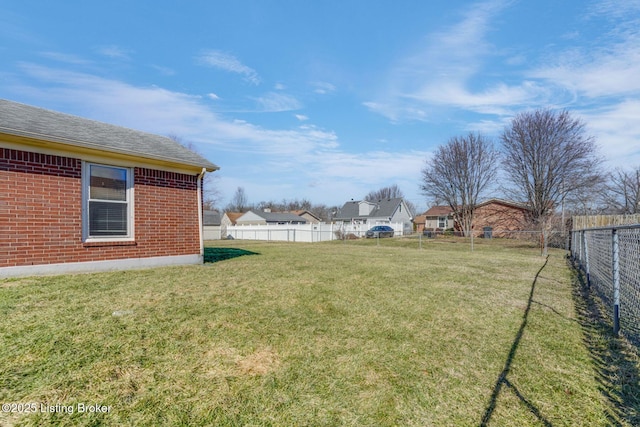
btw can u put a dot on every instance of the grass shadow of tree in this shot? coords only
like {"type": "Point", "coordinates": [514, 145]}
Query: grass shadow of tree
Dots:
{"type": "Point", "coordinates": [615, 361]}
{"type": "Point", "coordinates": [503, 380]}
{"type": "Point", "coordinates": [222, 254]}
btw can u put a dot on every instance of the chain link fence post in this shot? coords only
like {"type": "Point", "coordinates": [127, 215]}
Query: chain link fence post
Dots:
{"type": "Point", "coordinates": [586, 258]}
{"type": "Point", "coordinates": [615, 266]}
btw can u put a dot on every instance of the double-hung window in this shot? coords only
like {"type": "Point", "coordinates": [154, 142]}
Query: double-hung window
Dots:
{"type": "Point", "coordinates": [442, 222]}
{"type": "Point", "coordinates": [107, 198]}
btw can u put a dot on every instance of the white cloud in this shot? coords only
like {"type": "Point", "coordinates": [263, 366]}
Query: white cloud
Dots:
{"type": "Point", "coordinates": [498, 99]}
{"type": "Point", "coordinates": [158, 110]}
{"type": "Point", "coordinates": [489, 127]}
{"type": "Point", "coordinates": [301, 117]}
{"type": "Point", "coordinates": [438, 72]}
{"type": "Point", "coordinates": [114, 52]}
{"type": "Point", "coordinates": [274, 102]}
{"type": "Point", "coordinates": [333, 176]}
{"type": "Point", "coordinates": [617, 131]}
{"type": "Point", "coordinates": [305, 161]}
{"type": "Point", "coordinates": [227, 62]}
{"type": "Point", "coordinates": [323, 88]}
{"type": "Point", "coordinates": [437, 78]}
{"type": "Point", "coordinates": [164, 70]}
{"type": "Point", "coordinates": [614, 9]}
{"type": "Point", "coordinates": [371, 168]}
{"type": "Point", "coordinates": [213, 96]}
{"type": "Point", "coordinates": [607, 70]}
{"type": "Point", "coordinates": [65, 58]}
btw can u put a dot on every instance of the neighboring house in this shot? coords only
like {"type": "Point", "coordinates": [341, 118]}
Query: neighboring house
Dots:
{"type": "Point", "coordinates": [80, 195]}
{"type": "Point", "coordinates": [376, 213]}
{"type": "Point", "coordinates": [228, 219]}
{"type": "Point", "coordinates": [309, 216]}
{"type": "Point", "coordinates": [267, 217]}
{"type": "Point", "coordinates": [438, 218]}
{"type": "Point", "coordinates": [418, 223]}
{"type": "Point", "coordinates": [504, 217]}
{"type": "Point", "coordinates": [211, 225]}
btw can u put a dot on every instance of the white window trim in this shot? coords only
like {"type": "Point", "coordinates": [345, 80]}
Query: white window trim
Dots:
{"type": "Point", "coordinates": [130, 237]}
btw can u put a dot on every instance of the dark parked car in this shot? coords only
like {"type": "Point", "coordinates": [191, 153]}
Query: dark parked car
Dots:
{"type": "Point", "coordinates": [380, 231]}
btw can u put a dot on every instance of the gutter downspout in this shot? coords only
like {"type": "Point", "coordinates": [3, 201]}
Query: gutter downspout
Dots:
{"type": "Point", "coordinates": [200, 231]}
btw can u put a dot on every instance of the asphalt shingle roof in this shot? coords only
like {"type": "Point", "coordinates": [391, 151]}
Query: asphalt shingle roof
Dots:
{"type": "Point", "coordinates": [33, 122]}
{"type": "Point", "coordinates": [211, 218]}
{"type": "Point", "coordinates": [233, 216]}
{"type": "Point", "coordinates": [280, 217]}
{"type": "Point", "coordinates": [439, 211]}
{"type": "Point", "coordinates": [383, 209]}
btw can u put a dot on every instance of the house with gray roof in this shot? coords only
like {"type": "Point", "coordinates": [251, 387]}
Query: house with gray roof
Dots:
{"type": "Point", "coordinates": [308, 215]}
{"type": "Point", "coordinates": [82, 195]}
{"type": "Point", "coordinates": [268, 217]}
{"type": "Point", "coordinates": [378, 212]}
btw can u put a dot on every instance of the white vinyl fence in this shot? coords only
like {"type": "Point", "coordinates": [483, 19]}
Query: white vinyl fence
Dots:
{"type": "Point", "coordinates": [212, 232]}
{"type": "Point", "coordinates": [303, 232]}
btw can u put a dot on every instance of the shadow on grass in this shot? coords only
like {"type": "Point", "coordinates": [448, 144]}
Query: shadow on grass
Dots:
{"type": "Point", "coordinates": [221, 254]}
{"type": "Point", "coordinates": [614, 359]}
{"type": "Point", "coordinates": [502, 380]}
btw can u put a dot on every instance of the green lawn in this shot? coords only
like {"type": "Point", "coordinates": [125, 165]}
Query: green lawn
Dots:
{"type": "Point", "coordinates": [362, 333]}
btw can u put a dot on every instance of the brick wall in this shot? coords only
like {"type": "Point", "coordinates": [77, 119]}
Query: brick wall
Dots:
{"type": "Point", "coordinates": [502, 218]}
{"type": "Point", "coordinates": [41, 215]}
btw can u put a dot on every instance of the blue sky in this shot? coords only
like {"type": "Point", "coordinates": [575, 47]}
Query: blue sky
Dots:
{"type": "Point", "coordinates": [327, 100]}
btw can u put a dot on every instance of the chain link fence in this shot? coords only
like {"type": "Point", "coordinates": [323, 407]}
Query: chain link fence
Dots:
{"type": "Point", "coordinates": [610, 259]}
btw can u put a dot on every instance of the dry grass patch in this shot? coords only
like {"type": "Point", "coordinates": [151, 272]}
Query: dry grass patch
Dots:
{"type": "Point", "coordinates": [229, 362]}
{"type": "Point", "coordinates": [261, 362]}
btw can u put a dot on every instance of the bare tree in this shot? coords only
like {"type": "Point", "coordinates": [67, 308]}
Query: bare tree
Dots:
{"type": "Point", "coordinates": [285, 205]}
{"type": "Point", "coordinates": [324, 212]}
{"type": "Point", "coordinates": [210, 192]}
{"type": "Point", "coordinates": [384, 193]}
{"type": "Point", "coordinates": [458, 174]}
{"type": "Point", "coordinates": [390, 192]}
{"type": "Point", "coordinates": [296, 205]}
{"type": "Point", "coordinates": [623, 191]}
{"type": "Point", "coordinates": [239, 201]}
{"type": "Point", "coordinates": [547, 158]}
{"type": "Point", "coordinates": [594, 200]}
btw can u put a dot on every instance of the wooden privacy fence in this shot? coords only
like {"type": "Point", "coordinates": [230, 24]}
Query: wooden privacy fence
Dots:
{"type": "Point", "coordinates": [591, 221]}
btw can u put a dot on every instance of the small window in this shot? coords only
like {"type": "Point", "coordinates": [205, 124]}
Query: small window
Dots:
{"type": "Point", "coordinates": [442, 222]}
{"type": "Point", "coordinates": [107, 202]}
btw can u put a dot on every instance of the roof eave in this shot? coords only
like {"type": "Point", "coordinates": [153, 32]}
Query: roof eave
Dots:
{"type": "Point", "coordinates": [83, 146]}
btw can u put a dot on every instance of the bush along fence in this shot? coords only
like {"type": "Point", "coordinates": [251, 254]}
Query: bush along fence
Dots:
{"type": "Point", "coordinates": [610, 259]}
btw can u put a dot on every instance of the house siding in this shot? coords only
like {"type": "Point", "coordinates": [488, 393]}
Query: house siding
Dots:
{"type": "Point", "coordinates": [41, 213]}
{"type": "Point", "coordinates": [380, 213]}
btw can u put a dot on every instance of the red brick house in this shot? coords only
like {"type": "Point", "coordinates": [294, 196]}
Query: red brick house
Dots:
{"type": "Point", "coordinates": [80, 195]}
{"type": "Point", "coordinates": [504, 217]}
